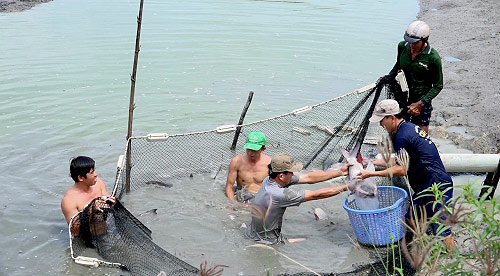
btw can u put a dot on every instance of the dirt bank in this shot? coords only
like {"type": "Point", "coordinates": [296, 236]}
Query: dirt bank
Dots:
{"type": "Point", "coordinates": [19, 5]}
{"type": "Point", "coordinates": [469, 102]}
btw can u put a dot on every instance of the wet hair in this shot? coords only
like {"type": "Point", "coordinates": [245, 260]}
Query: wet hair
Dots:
{"type": "Point", "coordinates": [274, 174]}
{"type": "Point", "coordinates": [80, 166]}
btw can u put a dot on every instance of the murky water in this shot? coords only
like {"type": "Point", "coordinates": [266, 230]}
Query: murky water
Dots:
{"type": "Point", "coordinates": [64, 84]}
{"type": "Point", "coordinates": [461, 130]}
{"type": "Point", "coordinates": [452, 59]}
{"type": "Point", "coordinates": [196, 222]}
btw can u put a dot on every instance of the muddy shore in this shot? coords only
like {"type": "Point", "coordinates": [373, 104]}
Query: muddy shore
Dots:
{"type": "Point", "coordinates": [466, 35]}
{"type": "Point", "coordinates": [19, 5]}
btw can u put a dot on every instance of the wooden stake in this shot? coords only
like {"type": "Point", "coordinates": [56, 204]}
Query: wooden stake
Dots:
{"type": "Point", "coordinates": [492, 179]}
{"type": "Point", "coordinates": [242, 118]}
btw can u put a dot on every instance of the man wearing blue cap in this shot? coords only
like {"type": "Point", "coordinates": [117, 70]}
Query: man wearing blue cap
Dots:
{"type": "Point", "coordinates": [249, 169]}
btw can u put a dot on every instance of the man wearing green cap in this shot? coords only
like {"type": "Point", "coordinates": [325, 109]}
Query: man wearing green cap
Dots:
{"type": "Point", "coordinates": [275, 196]}
{"type": "Point", "coordinates": [249, 169]}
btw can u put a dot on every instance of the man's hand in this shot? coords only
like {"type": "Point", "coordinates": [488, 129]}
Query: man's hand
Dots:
{"type": "Point", "coordinates": [385, 78]}
{"type": "Point", "coordinates": [364, 174]}
{"type": "Point", "coordinates": [345, 169]}
{"type": "Point", "coordinates": [105, 202]}
{"type": "Point", "coordinates": [415, 108]}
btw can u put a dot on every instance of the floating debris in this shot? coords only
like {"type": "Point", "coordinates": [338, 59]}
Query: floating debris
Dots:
{"type": "Point", "coordinates": [340, 130]}
{"type": "Point", "coordinates": [319, 214]}
{"type": "Point", "coordinates": [302, 131]}
{"type": "Point", "coordinates": [371, 140]}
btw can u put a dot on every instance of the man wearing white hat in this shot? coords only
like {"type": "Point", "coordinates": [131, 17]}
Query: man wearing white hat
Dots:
{"type": "Point", "coordinates": [425, 167]}
{"type": "Point", "coordinates": [274, 196]}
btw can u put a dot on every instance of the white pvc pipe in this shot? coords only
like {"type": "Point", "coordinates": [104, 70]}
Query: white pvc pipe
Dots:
{"type": "Point", "coordinates": [470, 162]}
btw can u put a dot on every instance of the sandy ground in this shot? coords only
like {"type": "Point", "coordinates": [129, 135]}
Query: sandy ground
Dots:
{"type": "Point", "coordinates": [19, 5]}
{"type": "Point", "coordinates": [469, 31]}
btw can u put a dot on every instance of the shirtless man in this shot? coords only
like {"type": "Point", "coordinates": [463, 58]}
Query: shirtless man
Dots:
{"type": "Point", "coordinates": [87, 186]}
{"type": "Point", "coordinates": [248, 170]}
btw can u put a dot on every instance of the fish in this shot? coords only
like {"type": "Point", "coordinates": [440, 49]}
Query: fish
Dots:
{"type": "Point", "coordinates": [160, 183]}
{"type": "Point", "coordinates": [365, 190]}
{"type": "Point", "coordinates": [152, 211]}
{"type": "Point", "coordinates": [319, 214]}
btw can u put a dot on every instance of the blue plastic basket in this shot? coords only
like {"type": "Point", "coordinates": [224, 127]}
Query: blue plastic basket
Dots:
{"type": "Point", "coordinates": [382, 226]}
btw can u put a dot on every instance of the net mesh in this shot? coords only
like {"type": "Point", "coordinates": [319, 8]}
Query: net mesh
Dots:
{"type": "Point", "coordinates": [312, 135]}
{"type": "Point", "coordinates": [123, 241]}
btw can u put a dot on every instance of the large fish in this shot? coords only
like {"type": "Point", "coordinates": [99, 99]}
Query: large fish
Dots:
{"type": "Point", "coordinates": [160, 183]}
{"type": "Point", "coordinates": [365, 190]}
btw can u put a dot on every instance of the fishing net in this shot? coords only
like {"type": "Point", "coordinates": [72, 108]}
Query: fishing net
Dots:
{"type": "Point", "coordinates": [313, 135]}
{"type": "Point", "coordinates": [122, 241]}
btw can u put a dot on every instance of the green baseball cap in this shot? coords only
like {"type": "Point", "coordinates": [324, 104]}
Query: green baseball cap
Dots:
{"type": "Point", "coordinates": [255, 141]}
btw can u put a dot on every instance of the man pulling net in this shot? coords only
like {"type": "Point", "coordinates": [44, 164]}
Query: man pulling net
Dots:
{"type": "Point", "coordinates": [98, 220]}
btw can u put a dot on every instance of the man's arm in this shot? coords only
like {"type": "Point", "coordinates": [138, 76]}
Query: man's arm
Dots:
{"type": "Point", "coordinates": [231, 178]}
{"type": "Point", "coordinates": [324, 193]}
{"type": "Point", "coordinates": [382, 163]}
{"type": "Point", "coordinates": [104, 192]}
{"type": "Point", "coordinates": [395, 170]}
{"type": "Point", "coordinates": [315, 177]}
{"type": "Point", "coordinates": [396, 67]}
{"type": "Point", "coordinates": [437, 79]}
{"type": "Point", "coordinates": [101, 185]}
{"type": "Point", "coordinates": [68, 208]}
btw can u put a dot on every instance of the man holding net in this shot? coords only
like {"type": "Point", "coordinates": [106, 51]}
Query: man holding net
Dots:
{"type": "Point", "coordinates": [248, 170]}
{"type": "Point", "coordinates": [87, 187]}
{"type": "Point", "coordinates": [274, 196]}
{"type": "Point", "coordinates": [422, 68]}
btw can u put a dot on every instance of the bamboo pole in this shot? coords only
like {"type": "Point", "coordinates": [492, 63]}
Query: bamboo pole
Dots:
{"type": "Point", "coordinates": [132, 95]}
{"type": "Point", "coordinates": [134, 72]}
{"type": "Point", "coordinates": [242, 118]}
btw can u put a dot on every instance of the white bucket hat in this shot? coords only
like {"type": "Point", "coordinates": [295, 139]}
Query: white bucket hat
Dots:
{"type": "Point", "coordinates": [385, 108]}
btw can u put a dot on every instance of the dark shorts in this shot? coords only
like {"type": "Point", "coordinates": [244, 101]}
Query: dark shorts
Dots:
{"type": "Point", "coordinates": [423, 119]}
{"type": "Point", "coordinates": [427, 203]}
